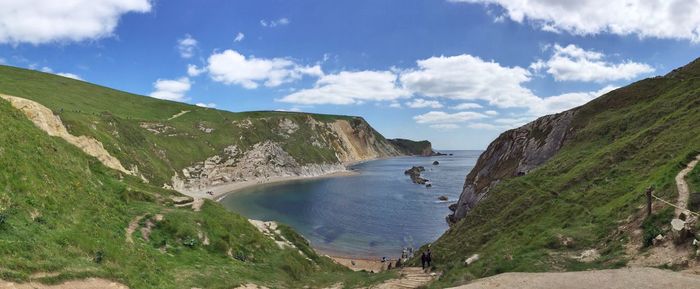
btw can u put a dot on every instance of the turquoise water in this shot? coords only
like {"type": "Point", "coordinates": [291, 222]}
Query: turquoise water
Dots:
{"type": "Point", "coordinates": [375, 213]}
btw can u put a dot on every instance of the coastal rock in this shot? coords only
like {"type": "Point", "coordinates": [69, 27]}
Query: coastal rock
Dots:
{"type": "Point", "coordinates": [414, 174]}
{"type": "Point", "coordinates": [514, 153]}
{"type": "Point", "coordinates": [443, 198]}
{"type": "Point", "coordinates": [435, 163]}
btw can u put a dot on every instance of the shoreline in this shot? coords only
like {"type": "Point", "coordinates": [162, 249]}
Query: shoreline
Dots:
{"type": "Point", "coordinates": [221, 191]}
{"type": "Point", "coordinates": [359, 264]}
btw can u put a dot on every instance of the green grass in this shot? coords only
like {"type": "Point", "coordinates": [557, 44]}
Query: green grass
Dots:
{"type": "Point", "coordinates": [622, 143]}
{"type": "Point", "coordinates": [114, 118]}
{"type": "Point", "coordinates": [63, 212]}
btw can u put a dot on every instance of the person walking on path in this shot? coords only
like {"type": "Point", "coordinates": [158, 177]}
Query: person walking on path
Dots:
{"type": "Point", "coordinates": [429, 257]}
{"type": "Point", "coordinates": [423, 259]}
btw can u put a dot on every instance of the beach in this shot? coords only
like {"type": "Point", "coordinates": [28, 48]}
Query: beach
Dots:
{"type": "Point", "coordinates": [221, 191]}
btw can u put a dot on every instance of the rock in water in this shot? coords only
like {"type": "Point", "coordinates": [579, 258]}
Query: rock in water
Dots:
{"type": "Point", "coordinates": [442, 198]}
{"type": "Point", "coordinates": [414, 174]}
{"type": "Point", "coordinates": [435, 163]}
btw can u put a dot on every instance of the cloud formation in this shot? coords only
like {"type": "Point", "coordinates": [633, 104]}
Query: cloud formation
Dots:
{"type": "Point", "coordinates": [45, 21]}
{"type": "Point", "coordinates": [466, 77]}
{"type": "Point", "coordinates": [350, 88]}
{"type": "Point", "coordinates": [572, 63]}
{"type": "Point", "coordinates": [667, 19]}
{"type": "Point", "coordinates": [274, 23]}
{"type": "Point", "coordinates": [441, 117]}
{"type": "Point", "coordinates": [239, 37]}
{"type": "Point", "coordinates": [422, 103]}
{"type": "Point", "coordinates": [171, 89]}
{"type": "Point", "coordinates": [231, 67]}
{"type": "Point", "coordinates": [187, 46]}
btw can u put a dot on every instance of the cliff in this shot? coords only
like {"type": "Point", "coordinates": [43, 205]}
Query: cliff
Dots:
{"type": "Point", "coordinates": [185, 147]}
{"type": "Point", "coordinates": [547, 195]}
{"type": "Point", "coordinates": [514, 153]}
{"type": "Point", "coordinates": [416, 148]}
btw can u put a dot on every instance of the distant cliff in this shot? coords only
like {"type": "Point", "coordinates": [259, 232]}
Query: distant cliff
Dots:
{"type": "Point", "coordinates": [514, 153]}
{"type": "Point", "coordinates": [416, 148]}
{"type": "Point", "coordinates": [185, 147]}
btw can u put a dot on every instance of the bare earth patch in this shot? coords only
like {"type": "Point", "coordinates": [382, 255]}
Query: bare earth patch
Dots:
{"type": "Point", "coordinates": [90, 283]}
{"type": "Point", "coordinates": [637, 278]}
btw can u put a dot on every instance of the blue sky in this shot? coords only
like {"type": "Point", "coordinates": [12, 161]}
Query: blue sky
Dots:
{"type": "Point", "coordinates": [457, 73]}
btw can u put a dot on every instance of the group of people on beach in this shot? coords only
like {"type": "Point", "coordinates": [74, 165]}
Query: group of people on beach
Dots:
{"type": "Point", "coordinates": [426, 258]}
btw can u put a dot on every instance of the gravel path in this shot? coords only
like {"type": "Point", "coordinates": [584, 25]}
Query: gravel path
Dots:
{"type": "Point", "coordinates": [637, 278]}
{"type": "Point", "coordinates": [683, 190]}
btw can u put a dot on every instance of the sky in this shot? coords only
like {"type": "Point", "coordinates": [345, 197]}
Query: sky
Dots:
{"type": "Point", "coordinates": [455, 72]}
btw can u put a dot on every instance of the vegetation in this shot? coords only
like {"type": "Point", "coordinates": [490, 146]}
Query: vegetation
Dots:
{"type": "Point", "coordinates": [623, 142]}
{"type": "Point", "coordinates": [116, 119]}
{"type": "Point", "coordinates": [411, 147]}
{"type": "Point", "coordinates": [63, 215]}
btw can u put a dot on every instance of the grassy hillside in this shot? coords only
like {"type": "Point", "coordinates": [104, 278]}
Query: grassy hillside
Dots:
{"type": "Point", "coordinates": [117, 119]}
{"type": "Point", "coordinates": [410, 147]}
{"type": "Point", "coordinates": [622, 143]}
{"type": "Point", "coordinates": [63, 215]}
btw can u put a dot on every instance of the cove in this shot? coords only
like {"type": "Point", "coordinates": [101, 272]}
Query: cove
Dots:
{"type": "Point", "coordinates": [372, 214]}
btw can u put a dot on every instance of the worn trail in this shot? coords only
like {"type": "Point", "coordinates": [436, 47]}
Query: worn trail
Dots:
{"type": "Point", "coordinates": [683, 190]}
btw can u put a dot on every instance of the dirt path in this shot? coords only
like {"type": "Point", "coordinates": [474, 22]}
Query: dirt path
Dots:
{"type": "Point", "coordinates": [683, 190]}
{"type": "Point", "coordinates": [411, 277]}
{"type": "Point", "coordinates": [90, 283]}
{"type": "Point", "coordinates": [133, 225]}
{"type": "Point", "coordinates": [638, 278]}
{"type": "Point", "coordinates": [179, 114]}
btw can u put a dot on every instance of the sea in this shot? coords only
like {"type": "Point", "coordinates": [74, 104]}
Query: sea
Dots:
{"type": "Point", "coordinates": [374, 213]}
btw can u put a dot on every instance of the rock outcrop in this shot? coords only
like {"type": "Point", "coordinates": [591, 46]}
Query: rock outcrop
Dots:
{"type": "Point", "coordinates": [514, 153]}
{"type": "Point", "coordinates": [351, 140]}
{"type": "Point", "coordinates": [44, 119]}
{"type": "Point", "coordinates": [416, 148]}
{"type": "Point", "coordinates": [414, 174]}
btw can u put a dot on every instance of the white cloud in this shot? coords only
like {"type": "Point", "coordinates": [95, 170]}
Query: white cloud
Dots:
{"type": "Point", "coordinates": [421, 103]}
{"type": "Point", "coordinates": [44, 21]}
{"type": "Point", "coordinates": [572, 63]}
{"type": "Point", "coordinates": [187, 46]}
{"type": "Point", "coordinates": [231, 67]}
{"type": "Point", "coordinates": [491, 112]}
{"type": "Point", "coordinates": [350, 88]}
{"type": "Point", "coordinates": [466, 105]}
{"type": "Point", "coordinates": [466, 77]}
{"type": "Point", "coordinates": [441, 117]}
{"type": "Point", "coordinates": [562, 102]}
{"type": "Point", "coordinates": [193, 70]}
{"type": "Point", "coordinates": [293, 109]}
{"type": "Point", "coordinates": [64, 74]}
{"type": "Point", "coordinates": [444, 126]}
{"type": "Point", "coordinates": [2, 60]}
{"type": "Point", "coordinates": [669, 19]}
{"type": "Point", "coordinates": [206, 105]}
{"type": "Point", "coordinates": [171, 89]}
{"type": "Point", "coordinates": [395, 104]}
{"type": "Point", "coordinates": [69, 75]}
{"type": "Point", "coordinates": [488, 126]}
{"type": "Point", "coordinates": [239, 37]}
{"type": "Point", "coordinates": [274, 23]}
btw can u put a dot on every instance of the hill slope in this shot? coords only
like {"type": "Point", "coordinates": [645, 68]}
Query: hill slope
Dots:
{"type": "Point", "coordinates": [68, 211]}
{"type": "Point", "coordinates": [189, 148]}
{"type": "Point", "coordinates": [542, 194]}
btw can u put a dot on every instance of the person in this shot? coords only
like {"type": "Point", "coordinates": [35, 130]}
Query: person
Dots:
{"type": "Point", "coordinates": [429, 257]}
{"type": "Point", "coordinates": [398, 263]}
{"type": "Point", "coordinates": [423, 259]}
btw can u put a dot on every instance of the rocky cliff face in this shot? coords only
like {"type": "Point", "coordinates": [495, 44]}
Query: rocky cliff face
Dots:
{"type": "Point", "coordinates": [350, 140]}
{"type": "Point", "coordinates": [514, 153]}
{"type": "Point", "coordinates": [416, 148]}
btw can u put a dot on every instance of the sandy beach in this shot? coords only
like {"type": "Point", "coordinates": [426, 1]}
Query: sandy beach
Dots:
{"type": "Point", "coordinates": [363, 264]}
{"type": "Point", "coordinates": [220, 191]}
